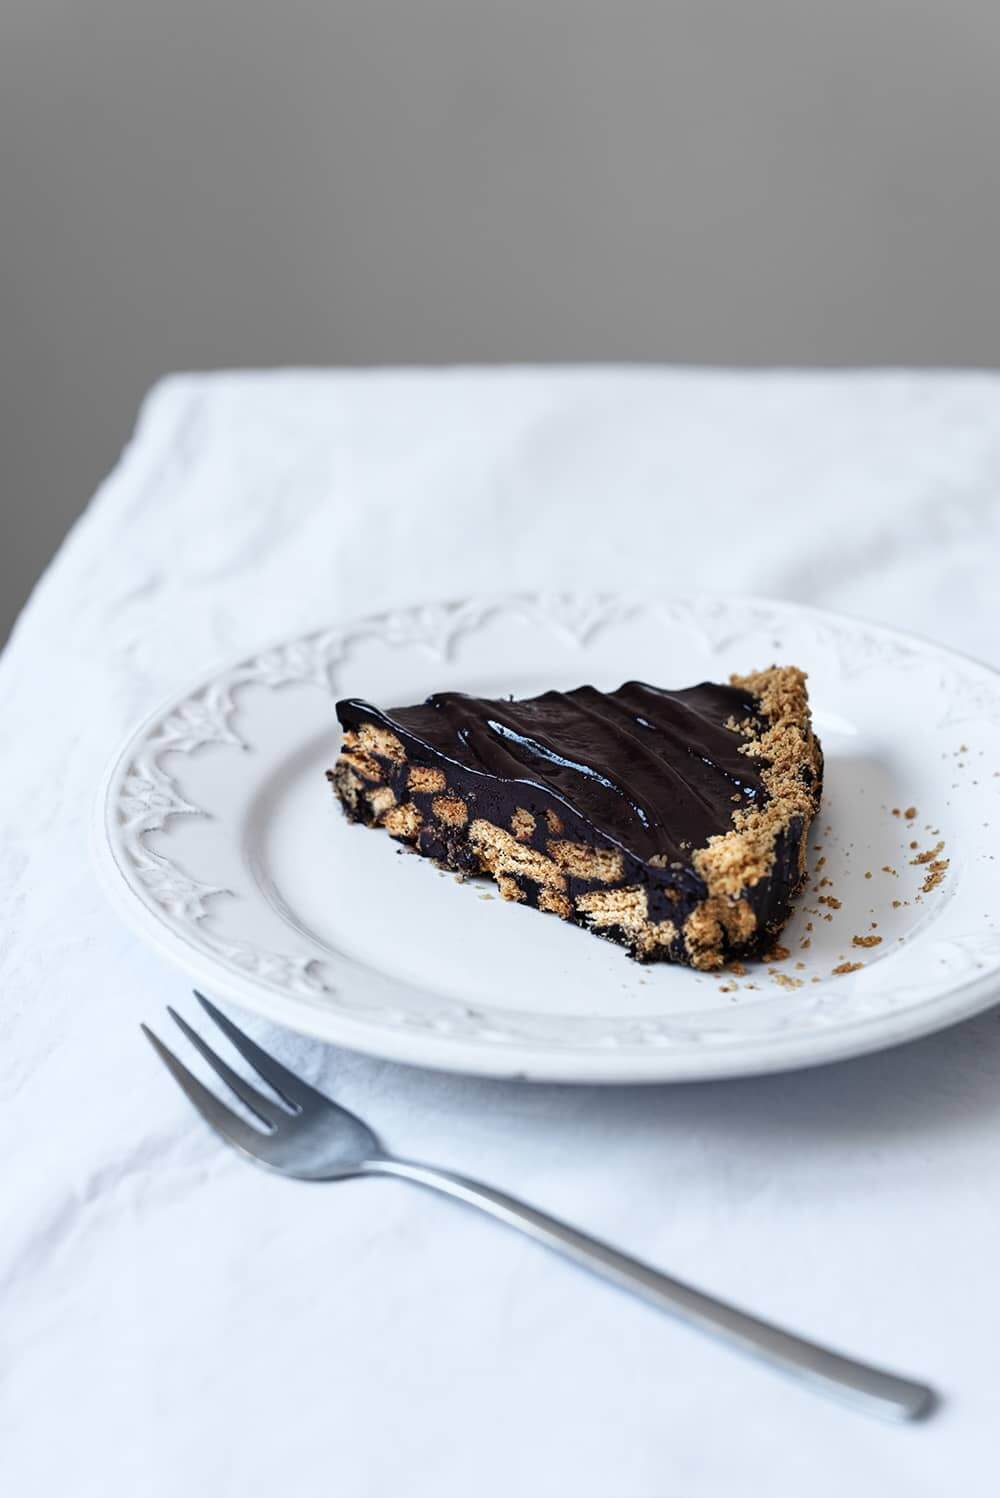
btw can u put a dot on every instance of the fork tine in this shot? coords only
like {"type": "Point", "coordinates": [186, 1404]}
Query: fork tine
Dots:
{"type": "Point", "coordinates": [221, 1118]}
{"type": "Point", "coordinates": [296, 1093]}
{"type": "Point", "coordinates": [269, 1113]}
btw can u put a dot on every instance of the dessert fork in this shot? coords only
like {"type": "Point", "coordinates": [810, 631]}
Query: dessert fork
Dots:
{"type": "Point", "coordinates": [310, 1137]}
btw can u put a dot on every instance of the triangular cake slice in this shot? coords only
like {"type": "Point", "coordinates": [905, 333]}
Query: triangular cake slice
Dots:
{"type": "Point", "coordinates": [672, 822]}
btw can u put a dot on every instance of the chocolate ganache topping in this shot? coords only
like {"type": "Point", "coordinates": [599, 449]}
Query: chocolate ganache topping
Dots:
{"type": "Point", "coordinates": [656, 772]}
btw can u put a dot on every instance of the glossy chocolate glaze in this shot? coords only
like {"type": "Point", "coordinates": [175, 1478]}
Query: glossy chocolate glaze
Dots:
{"type": "Point", "coordinates": [655, 772]}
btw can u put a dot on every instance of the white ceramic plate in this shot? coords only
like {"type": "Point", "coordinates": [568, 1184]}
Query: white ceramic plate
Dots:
{"type": "Point", "coordinates": [220, 842]}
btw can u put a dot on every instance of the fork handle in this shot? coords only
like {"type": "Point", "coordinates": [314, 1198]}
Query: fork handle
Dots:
{"type": "Point", "coordinates": [867, 1388]}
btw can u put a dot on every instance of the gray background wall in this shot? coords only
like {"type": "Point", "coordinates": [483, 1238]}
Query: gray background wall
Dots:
{"type": "Point", "coordinates": [196, 183]}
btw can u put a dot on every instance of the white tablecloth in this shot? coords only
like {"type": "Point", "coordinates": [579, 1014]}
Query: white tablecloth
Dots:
{"type": "Point", "coordinates": [175, 1323]}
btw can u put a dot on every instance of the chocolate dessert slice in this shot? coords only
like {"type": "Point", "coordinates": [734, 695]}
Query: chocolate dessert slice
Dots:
{"type": "Point", "coordinates": [672, 822]}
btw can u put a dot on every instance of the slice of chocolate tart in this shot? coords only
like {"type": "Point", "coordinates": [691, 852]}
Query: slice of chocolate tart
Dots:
{"type": "Point", "coordinates": [672, 822]}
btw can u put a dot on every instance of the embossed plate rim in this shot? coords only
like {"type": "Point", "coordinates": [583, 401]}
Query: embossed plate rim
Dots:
{"type": "Point", "coordinates": [648, 1056]}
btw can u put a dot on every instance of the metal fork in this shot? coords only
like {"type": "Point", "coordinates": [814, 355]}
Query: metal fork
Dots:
{"type": "Point", "coordinates": [314, 1139]}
